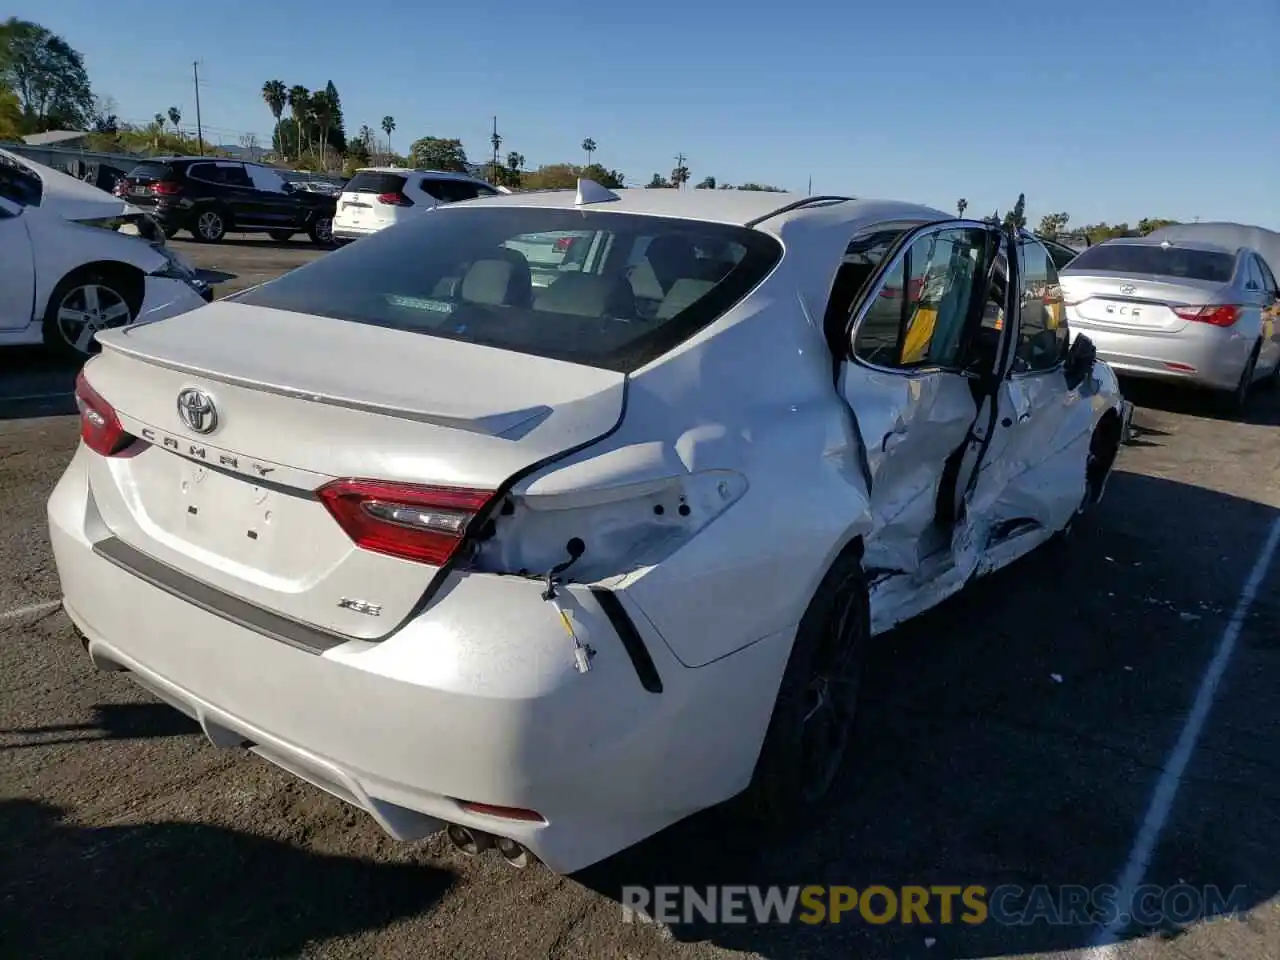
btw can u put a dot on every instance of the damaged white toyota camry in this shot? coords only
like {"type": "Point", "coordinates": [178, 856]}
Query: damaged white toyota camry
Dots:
{"type": "Point", "coordinates": [554, 518]}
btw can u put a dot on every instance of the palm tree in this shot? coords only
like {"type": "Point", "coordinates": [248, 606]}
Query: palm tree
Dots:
{"type": "Point", "coordinates": [366, 138]}
{"type": "Point", "coordinates": [155, 141]}
{"type": "Point", "coordinates": [175, 117]}
{"type": "Point", "coordinates": [388, 125]}
{"type": "Point", "coordinates": [299, 101]}
{"type": "Point", "coordinates": [961, 206]}
{"type": "Point", "coordinates": [515, 161]}
{"type": "Point", "coordinates": [276, 95]}
{"type": "Point", "coordinates": [323, 108]}
{"type": "Point", "coordinates": [589, 147]}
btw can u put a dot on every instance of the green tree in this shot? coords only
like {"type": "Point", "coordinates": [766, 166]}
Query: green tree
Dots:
{"type": "Point", "coordinates": [764, 188]}
{"type": "Point", "coordinates": [680, 176]}
{"type": "Point", "coordinates": [335, 131]}
{"type": "Point", "coordinates": [324, 110]}
{"type": "Point", "coordinates": [175, 117]}
{"type": "Point", "coordinates": [10, 114]}
{"type": "Point", "coordinates": [657, 183]}
{"type": "Point", "coordinates": [275, 95]}
{"type": "Point", "coordinates": [299, 107]}
{"type": "Point", "coordinates": [388, 126]}
{"type": "Point", "coordinates": [961, 206]}
{"type": "Point", "coordinates": [1151, 224]}
{"type": "Point", "coordinates": [706, 183]}
{"type": "Point", "coordinates": [565, 176]}
{"type": "Point", "coordinates": [589, 148]}
{"type": "Point", "coordinates": [1052, 224]}
{"type": "Point", "coordinates": [438, 153]}
{"type": "Point", "coordinates": [46, 75]}
{"type": "Point", "coordinates": [1017, 216]}
{"type": "Point", "coordinates": [515, 162]}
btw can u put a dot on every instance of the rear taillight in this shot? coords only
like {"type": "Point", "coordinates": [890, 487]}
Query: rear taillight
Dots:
{"type": "Point", "coordinates": [1218, 314]}
{"type": "Point", "coordinates": [424, 524]}
{"type": "Point", "coordinates": [165, 188]}
{"type": "Point", "coordinates": [395, 200]}
{"type": "Point", "coordinates": [100, 428]}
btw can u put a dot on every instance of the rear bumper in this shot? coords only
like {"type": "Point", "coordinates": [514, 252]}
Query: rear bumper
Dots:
{"type": "Point", "coordinates": [1210, 357]}
{"type": "Point", "coordinates": [477, 699]}
{"type": "Point", "coordinates": [343, 231]}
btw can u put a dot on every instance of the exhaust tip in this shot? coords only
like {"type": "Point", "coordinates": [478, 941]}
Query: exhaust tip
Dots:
{"type": "Point", "coordinates": [514, 853]}
{"type": "Point", "coordinates": [467, 841]}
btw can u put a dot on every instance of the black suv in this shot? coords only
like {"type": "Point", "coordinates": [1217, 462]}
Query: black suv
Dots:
{"type": "Point", "coordinates": [210, 196]}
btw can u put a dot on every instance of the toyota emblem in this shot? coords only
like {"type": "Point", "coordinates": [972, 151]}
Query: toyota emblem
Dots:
{"type": "Point", "coordinates": [1128, 289]}
{"type": "Point", "coordinates": [197, 411]}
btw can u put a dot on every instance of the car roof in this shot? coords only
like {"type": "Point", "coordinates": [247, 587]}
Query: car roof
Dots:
{"type": "Point", "coordinates": [1201, 246]}
{"type": "Point", "coordinates": [738, 207]}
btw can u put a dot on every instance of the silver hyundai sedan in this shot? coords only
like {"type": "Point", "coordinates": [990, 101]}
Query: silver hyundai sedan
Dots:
{"type": "Point", "coordinates": [1190, 312]}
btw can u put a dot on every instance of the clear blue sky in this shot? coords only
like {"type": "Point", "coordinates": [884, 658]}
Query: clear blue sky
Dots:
{"type": "Point", "coordinates": [1108, 109]}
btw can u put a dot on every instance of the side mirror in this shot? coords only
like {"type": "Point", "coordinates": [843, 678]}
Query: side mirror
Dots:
{"type": "Point", "coordinates": [1080, 360]}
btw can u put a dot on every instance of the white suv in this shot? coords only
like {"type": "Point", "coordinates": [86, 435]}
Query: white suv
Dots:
{"type": "Point", "coordinates": [378, 197]}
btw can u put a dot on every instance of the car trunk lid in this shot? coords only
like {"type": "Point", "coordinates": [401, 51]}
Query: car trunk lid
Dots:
{"type": "Point", "coordinates": [1134, 303]}
{"type": "Point", "coordinates": [240, 507]}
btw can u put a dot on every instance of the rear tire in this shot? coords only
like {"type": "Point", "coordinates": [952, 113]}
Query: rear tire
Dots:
{"type": "Point", "coordinates": [1237, 401]}
{"type": "Point", "coordinates": [321, 231]}
{"type": "Point", "coordinates": [813, 715]}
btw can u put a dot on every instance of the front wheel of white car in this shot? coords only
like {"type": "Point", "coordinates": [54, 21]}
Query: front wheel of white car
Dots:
{"type": "Point", "coordinates": [817, 701]}
{"type": "Point", "coordinates": [84, 304]}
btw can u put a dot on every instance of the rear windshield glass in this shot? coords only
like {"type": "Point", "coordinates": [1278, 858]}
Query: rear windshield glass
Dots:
{"type": "Point", "coordinates": [1205, 265]}
{"type": "Point", "coordinates": [610, 290]}
{"type": "Point", "coordinates": [149, 171]}
{"type": "Point", "coordinates": [369, 182]}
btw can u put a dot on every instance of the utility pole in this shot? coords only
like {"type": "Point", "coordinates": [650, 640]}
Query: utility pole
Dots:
{"type": "Point", "coordinates": [809, 191]}
{"type": "Point", "coordinates": [195, 72]}
{"type": "Point", "coordinates": [680, 159]}
{"type": "Point", "coordinates": [497, 142]}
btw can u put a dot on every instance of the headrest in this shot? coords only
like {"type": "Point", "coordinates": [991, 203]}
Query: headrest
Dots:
{"type": "Point", "coordinates": [587, 295]}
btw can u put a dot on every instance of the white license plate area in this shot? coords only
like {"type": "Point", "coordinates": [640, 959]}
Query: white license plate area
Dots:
{"type": "Point", "coordinates": [226, 520]}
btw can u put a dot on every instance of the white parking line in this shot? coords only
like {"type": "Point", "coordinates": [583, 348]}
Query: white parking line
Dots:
{"type": "Point", "coordinates": [30, 609]}
{"type": "Point", "coordinates": [1144, 846]}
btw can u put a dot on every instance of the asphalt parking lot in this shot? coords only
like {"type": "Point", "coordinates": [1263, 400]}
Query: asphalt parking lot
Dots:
{"type": "Point", "coordinates": [1017, 735]}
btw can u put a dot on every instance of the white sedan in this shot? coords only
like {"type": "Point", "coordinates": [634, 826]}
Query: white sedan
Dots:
{"type": "Point", "coordinates": [554, 567]}
{"type": "Point", "coordinates": [67, 272]}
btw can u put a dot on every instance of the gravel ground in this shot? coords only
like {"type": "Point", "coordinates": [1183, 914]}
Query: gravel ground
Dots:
{"type": "Point", "coordinates": [1013, 736]}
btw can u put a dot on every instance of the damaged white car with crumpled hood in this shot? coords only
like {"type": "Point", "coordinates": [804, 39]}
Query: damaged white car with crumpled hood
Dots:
{"type": "Point", "coordinates": [553, 552]}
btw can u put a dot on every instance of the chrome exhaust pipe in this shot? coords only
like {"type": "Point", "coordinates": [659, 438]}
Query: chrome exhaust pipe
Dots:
{"type": "Point", "coordinates": [467, 841]}
{"type": "Point", "coordinates": [514, 853]}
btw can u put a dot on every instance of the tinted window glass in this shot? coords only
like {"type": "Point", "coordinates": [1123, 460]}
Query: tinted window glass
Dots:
{"type": "Point", "coordinates": [449, 191]}
{"type": "Point", "coordinates": [1042, 332]}
{"type": "Point", "coordinates": [918, 316]}
{"type": "Point", "coordinates": [18, 184]}
{"type": "Point", "coordinates": [208, 172]}
{"type": "Point", "coordinates": [147, 172]}
{"type": "Point", "coordinates": [368, 181]}
{"type": "Point", "coordinates": [1268, 278]}
{"type": "Point", "coordinates": [236, 176]}
{"type": "Point", "coordinates": [1206, 265]}
{"type": "Point", "coordinates": [496, 276]}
